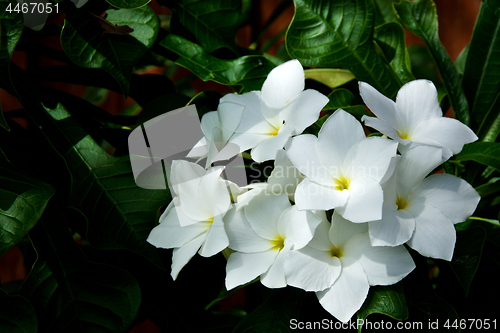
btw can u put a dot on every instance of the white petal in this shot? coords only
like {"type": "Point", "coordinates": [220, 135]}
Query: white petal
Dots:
{"type": "Point", "coordinates": [230, 117]}
{"type": "Point", "coordinates": [275, 276]}
{"type": "Point", "coordinates": [310, 195]}
{"type": "Point", "coordinates": [453, 196]}
{"type": "Point", "coordinates": [348, 292]}
{"type": "Point", "coordinates": [382, 265]}
{"type": "Point", "coordinates": [304, 110]}
{"type": "Point", "coordinates": [321, 240]}
{"type": "Point", "coordinates": [370, 157]}
{"type": "Point", "coordinates": [216, 240]}
{"type": "Point", "coordinates": [414, 165]}
{"type": "Point", "coordinates": [311, 270]}
{"type": "Point", "coordinates": [244, 267]}
{"type": "Point", "coordinates": [434, 234]}
{"type": "Point", "coordinates": [209, 121]}
{"type": "Point", "coordinates": [285, 177]}
{"type": "Point", "coordinates": [247, 141]}
{"type": "Point", "coordinates": [365, 201]}
{"type": "Point", "coordinates": [384, 108]}
{"type": "Point", "coordinates": [241, 235]}
{"type": "Point", "coordinates": [252, 120]}
{"type": "Point", "coordinates": [170, 233]}
{"type": "Point", "coordinates": [395, 228]}
{"type": "Point", "coordinates": [303, 154]}
{"type": "Point", "coordinates": [267, 149]}
{"type": "Point", "coordinates": [200, 150]}
{"type": "Point", "coordinates": [213, 192]}
{"type": "Point", "coordinates": [417, 101]}
{"type": "Point", "coordinates": [283, 84]}
{"type": "Point", "coordinates": [184, 171]}
{"type": "Point", "coordinates": [447, 132]}
{"type": "Point", "coordinates": [383, 128]}
{"type": "Point", "coordinates": [263, 213]}
{"type": "Point", "coordinates": [338, 135]}
{"type": "Point", "coordinates": [298, 226]}
{"type": "Point", "coordinates": [182, 255]}
{"type": "Point", "coordinates": [342, 230]}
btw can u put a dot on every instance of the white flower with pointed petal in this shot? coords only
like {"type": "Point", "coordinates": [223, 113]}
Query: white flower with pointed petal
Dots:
{"type": "Point", "coordinates": [218, 127]}
{"type": "Point", "coordinates": [283, 179]}
{"type": "Point", "coordinates": [415, 118]}
{"type": "Point", "coordinates": [423, 210]}
{"type": "Point", "coordinates": [282, 109]}
{"type": "Point", "coordinates": [340, 265]}
{"type": "Point", "coordinates": [193, 221]}
{"type": "Point", "coordinates": [343, 168]}
{"type": "Point", "coordinates": [263, 233]}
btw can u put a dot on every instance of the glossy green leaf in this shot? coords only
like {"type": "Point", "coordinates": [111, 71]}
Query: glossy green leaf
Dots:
{"type": "Point", "coordinates": [128, 4]}
{"type": "Point", "coordinates": [248, 72]}
{"type": "Point", "coordinates": [71, 294]}
{"type": "Point", "coordinates": [342, 99]}
{"type": "Point", "coordinates": [17, 315]}
{"type": "Point", "coordinates": [339, 34]}
{"type": "Point", "coordinates": [119, 214]}
{"type": "Point", "coordinates": [86, 43]}
{"type": "Point", "coordinates": [481, 79]}
{"type": "Point", "coordinates": [420, 17]}
{"type": "Point", "coordinates": [467, 255]}
{"type": "Point", "coordinates": [385, 11]}
{"type": "Point", "coordinates": [11, 28]}
{"type": "Point", "coordinates": [22, 202]}
{"type": "Point", "coordinates": [391, 39]}
{"type": "Point", "coordinates": [275, 313]}
{"type": "Point", "coordinates": [213, 23]}
{"type": "Point", "coordinates": [487, 153]}
{"type": "Point", "coordinates": [331, 77]}
{"type": "Point", "coordinates": [387, 300]}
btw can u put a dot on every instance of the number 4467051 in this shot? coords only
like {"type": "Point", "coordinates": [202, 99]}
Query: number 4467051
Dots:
{"type": "Point", "coordinates": [471, 324]}
{"type": "Point", "coordinates": [33, 7]}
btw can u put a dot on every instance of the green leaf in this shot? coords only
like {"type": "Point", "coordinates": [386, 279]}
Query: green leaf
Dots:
{"type": "Point", "coordinates": [275, 313]}
{"type": "Point", "coordinates": [128, 4]}
{"type": "Point", "coordinates": [11, 28]}
{"type": "Point", "coordinates": [391, 39]}
{"type": "Point", "coordinates": [467, 255]}
{"type": "Point", "coordinates": [481, 79]}
{"type": "Point", "coordinates": [17, 315]}
{"type": "Point", "coordinates": [331, 77]}
{"type": "Point", "coordinates": [342, 99]}
{"type": "Point", "coordinates": [22, 202]}
{"type": "Point", "coordinates": [385, 11]}
{"type": "Point", "coordinates": [339, 34]}
{"type": "Point", "coordinates": [249, 71]}
{"type": "Point", "coordinates": [119, 214]}
{"type": "Point", "coordinates": [487, 153]}
{"type": "Point", "coordinates": [213, 23]}
{"type": "Point", "coordinates": [387, 300]}
{"type": "Point", "coordinates": [71, 294]}
{"type": "Point", "coordinates": [420, 17]}
{"type": "Point", "coordinates": [86, 44]}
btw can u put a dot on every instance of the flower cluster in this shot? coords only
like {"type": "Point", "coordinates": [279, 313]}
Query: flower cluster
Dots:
{"type": "Point", "coordinates": [376, 189]}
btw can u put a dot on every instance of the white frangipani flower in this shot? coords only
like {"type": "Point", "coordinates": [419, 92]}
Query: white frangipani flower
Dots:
{"type": "Point", "coordinates": [283, 179]}
{"type": "Point", "coordinates": [263, 233]}
{"type": "Point", "coordinates": [218, 127]}
{"type": "Point", "coordinates": [422, 211]}
{"type": "Point", "coordinates": [343, 168]}
{"type": "Point", "coordinates": [282, 109]}
{"type": "Point", "coordinates": [415, 118]}
{"type": "Point", "coordinates": [194, 219]}
{"type": "Point", "coordinates": [340, 265]}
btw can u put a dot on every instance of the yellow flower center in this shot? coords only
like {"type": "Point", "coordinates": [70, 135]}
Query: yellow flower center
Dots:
{"type": "Point", "coordinates": [404, 134]}
{"type": "Point", "coordinates": [209, 222]}
{"type": "Point", "coordinates": [278, 243]}
{"type": "Point", "coordinates": [274, 130]}
{"type": "Point", "coordinates": [402, 203]}
{"type": "Point", "coordinates": [336, 252]}
{"type": "Point", "coordinates": [342, 183]}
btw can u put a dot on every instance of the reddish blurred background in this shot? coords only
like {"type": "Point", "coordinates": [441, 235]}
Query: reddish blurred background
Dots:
{"type": "Point", "coordinates": [456, 23]}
